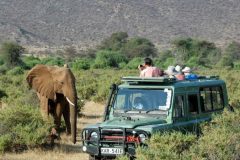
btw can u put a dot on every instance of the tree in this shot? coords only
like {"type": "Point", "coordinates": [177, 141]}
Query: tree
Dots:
{"type": "Point", "coordinates": [11, 54]}
{"type": "Point", "coordinates": [203, 52]}
{"type": "Point", "coordinates": [139, 47]}
{"type": "Point", "coordinates": [107, 59]}
{"type": "Point", "coordinates": [233, 50]}
{"type": "Point", "coordinates": [115, 42]}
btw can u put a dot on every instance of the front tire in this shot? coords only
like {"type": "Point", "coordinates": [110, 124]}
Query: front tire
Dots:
{"type": "Point", "coordinates": [92, 157]}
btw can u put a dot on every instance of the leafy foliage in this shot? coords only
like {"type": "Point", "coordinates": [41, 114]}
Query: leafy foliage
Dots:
{"type": "Point", "coordinates": [30, 61]}
{"type": "Point", "coordinates": [22, 126]}
{"type": "Point", "coordinates": [53, 61]}
{"type": "Point", "coordinates": [205, 53]}
{"type": "Point", "coordinates": [107, 59]}
{"type": "Point", "coordinates": [82, 63]}
{"type": "Point", "coordinates": [10, 53]}
{"type": "Point", "coordinates": [139, 47]}
{"type": "Point", "coordinates": [115, 42]}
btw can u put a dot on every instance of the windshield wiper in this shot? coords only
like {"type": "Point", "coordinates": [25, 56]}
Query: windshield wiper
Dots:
{"type": "Point", "coordinates": [155, 109]}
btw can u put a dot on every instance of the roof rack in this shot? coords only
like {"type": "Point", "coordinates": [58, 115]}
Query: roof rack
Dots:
{"type": "Point", "coordinates": [132, 79]}
{"type": "Point", "coordinates": [208, 77]}
{"type": "Point", "coordinates": [136, 80]}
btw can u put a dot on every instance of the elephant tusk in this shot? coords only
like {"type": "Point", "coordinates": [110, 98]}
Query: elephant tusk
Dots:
{"type": "Point", "coordinates": [69, 101]}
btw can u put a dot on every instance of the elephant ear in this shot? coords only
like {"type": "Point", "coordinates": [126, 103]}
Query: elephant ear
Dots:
{"type": "Point", "coordinates": [40, 79]}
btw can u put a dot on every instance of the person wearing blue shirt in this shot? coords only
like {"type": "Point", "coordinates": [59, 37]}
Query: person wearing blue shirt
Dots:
{"type": "Point", "coordinates": [188, 74]}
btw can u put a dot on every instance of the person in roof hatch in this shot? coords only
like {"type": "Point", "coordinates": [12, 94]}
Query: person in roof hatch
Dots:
{"type": "Point", "coordinates": [188, 74]}
{"type": "Point", "coordinates": [179, 74]}
{"type": "Point", "coordinates": [148, 70]}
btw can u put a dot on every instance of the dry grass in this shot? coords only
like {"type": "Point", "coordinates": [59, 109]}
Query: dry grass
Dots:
{"type": "Point", "coordinates": [64, 149]}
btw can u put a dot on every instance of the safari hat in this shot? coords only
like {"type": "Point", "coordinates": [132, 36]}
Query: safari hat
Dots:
{"type": "Point", "coordinates": [186, 70]}
{"type": "Point", "coordinates": [171, 70]}
{"type": "Point", "coordinates": [178, 68]}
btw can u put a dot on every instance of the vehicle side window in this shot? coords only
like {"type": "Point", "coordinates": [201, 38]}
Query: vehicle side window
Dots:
{"type": "Point", "coordinates": [211, 98]}
{"type": "Point", "coordinates": [179, 106]}
{"type": "Point", "coordinates": [193, 104]}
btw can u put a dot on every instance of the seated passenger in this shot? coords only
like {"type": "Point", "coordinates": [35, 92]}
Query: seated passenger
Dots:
{"type": "Point", "coordinates": [179, 75]}
{"type": "Point", "coordinates": [188, 74]}
{"type": "Point", "coordinates": [148, 70]}
{"type": "Point", "coordinates": [138, 103]}
{"type": "Point", "coordinates": [171, 72]}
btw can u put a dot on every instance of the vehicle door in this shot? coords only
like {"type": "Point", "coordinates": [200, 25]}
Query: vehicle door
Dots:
{"type": "Point", "coordinates": [193, 112]}
{"type": "Point", "coordinates": [179, 113]}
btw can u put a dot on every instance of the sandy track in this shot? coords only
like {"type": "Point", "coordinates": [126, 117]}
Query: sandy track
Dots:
{"type": "Point", "coordinates": [64, 150]}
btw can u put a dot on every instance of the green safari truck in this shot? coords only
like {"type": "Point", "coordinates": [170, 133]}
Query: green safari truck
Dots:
{"type": "Point", "coordinates": [139, 107]}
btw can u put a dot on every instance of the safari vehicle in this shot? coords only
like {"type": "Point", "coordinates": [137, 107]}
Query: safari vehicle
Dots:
{"type": "Point", "coordinates": [141, 106]}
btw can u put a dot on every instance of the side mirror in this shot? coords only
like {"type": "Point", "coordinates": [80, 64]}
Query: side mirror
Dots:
{"type": "Point", "coordinates": [113, 87]}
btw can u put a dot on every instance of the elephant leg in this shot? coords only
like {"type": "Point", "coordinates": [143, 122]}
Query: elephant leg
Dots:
{"type": "Point", "coordinates": [58, 115]}
{"type": "Point", "coordinates": [66, 116]}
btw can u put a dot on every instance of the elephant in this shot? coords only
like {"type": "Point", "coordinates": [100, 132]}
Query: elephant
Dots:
{"type": "Point", "coordinates": [56, 90]}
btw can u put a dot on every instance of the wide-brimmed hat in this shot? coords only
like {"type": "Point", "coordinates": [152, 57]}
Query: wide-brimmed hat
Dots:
{"type": "Point", "coordinates": [178, 68]}
{"type": "Point", "coordinates": [186, 70]}
{"type": "Point", "coordinates": [171, 70]}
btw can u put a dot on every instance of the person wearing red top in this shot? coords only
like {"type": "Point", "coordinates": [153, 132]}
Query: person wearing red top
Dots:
{"type": "Point", "coordinates": [148, 70]}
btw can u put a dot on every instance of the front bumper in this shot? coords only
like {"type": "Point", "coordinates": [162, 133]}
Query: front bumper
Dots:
{"type": "Point", "coordinates": [93, 147]}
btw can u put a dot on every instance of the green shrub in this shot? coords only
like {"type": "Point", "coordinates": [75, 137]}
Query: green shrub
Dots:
{"type": "Point", "coordinates": [220, 138]}
{"type": "Point", "coordinates": [192, 62]}
{"type": "Point", "coordinates": [11, 52]}
{"type": "Point", "coordinates": [53, 61]}
{"type": "Point", "coordinates": [107, 59]}
{"type": "Point", "coordinates": [115, 42]}
{"type": "Point", "coordinates": [30, 61]}
{"type": "Point", "coordinates": [16, 71]}
{"type": "Point", "coordinates": [3, 69]}
{"type": "Point", "coordinates": [82, 63]}
{"type": "Point", "coordinates": [169, 62]}
{"type": "Point", "coordinates": [166, 146]}
{"type": "Point", "coordinates": [226, 61]}
{"type": "Point", "coordinates": [5, 142]}
{"type": "Point", "coordinates": [22, 126]}
{"type": "Point", "coordinates": [1, 61]}
{"type": "Point", "coordinates": [139, 47]}
{"type": "Point", "coordinates": [134, 63]}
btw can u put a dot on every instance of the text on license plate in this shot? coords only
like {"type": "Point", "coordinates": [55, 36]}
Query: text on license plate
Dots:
{"type": "Point", "coordinates": [111, 150]}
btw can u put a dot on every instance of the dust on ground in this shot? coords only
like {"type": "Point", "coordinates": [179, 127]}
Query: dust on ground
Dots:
{"type": "Point", "coordinates": [64, 149]}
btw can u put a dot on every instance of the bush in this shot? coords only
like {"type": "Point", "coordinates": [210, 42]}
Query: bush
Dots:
{"type": "Point", "coordinates": [107, 59]}
{"type": "Point", "coordinates": [16, 71]}
{"type": "Point", "coordinates": [30, 61]}
{"type": "Point", "coordinates": [166, 146]}
{"type": "Point", "coordinates": [139, 47]}
{"type": "Point", "coordinates": [5, 142]}
{"type": "Point", "coordinates": [115, 42]}
{"type": "Point", "coordinates": [134, 63]}
{"type": "Point", "coordinates": [203, 52]}
{"type": "Point", "coordinates": [10, 53]}
{"type": "Point", "coordinates": [53, 61]}
{"type": "Point", "coordinates": [1, 61]}
{"type": "Point", "coordinates": [3, 69]}
{"type": "Point", "coordinates": [82, 63]}
{"type": "Point", "coordinates": [22, 126]}
{"type": "Point", "coordinates": [220, 138]}
{"type": "Point", "coordinates": [226, 61]}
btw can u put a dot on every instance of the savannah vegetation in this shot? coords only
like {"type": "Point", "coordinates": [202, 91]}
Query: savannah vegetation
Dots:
{"type": "Point", "coordinates": [96, 69]}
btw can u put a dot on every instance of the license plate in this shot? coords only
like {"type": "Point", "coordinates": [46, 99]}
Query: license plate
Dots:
{"type": "Point", "coordinates": [111, 150]}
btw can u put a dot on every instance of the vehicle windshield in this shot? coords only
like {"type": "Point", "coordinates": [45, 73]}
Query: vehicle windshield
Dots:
{"type": "Point", "coordinates": [142, 99]}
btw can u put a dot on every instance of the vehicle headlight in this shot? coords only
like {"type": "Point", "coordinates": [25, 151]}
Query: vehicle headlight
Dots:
{"type": "Point", "coordinates": [142, 137]}
{"type": "Point", "coordinates": [94, 135]}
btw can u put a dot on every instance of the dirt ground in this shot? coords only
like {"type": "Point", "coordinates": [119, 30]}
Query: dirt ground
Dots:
{"type": "Point", "coordinates": [64, 149]}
